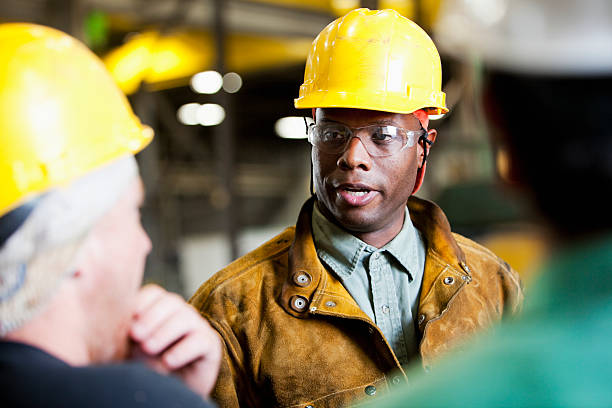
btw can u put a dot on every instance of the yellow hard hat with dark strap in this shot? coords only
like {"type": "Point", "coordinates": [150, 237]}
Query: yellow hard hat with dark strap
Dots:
{"type": "Point", "coordinates": [377, 60]}
{"type": "Point", "coordinates": [61, 114]}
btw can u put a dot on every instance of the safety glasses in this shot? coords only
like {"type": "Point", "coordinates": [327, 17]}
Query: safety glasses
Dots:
{"type": "Point", "coordinates": [378, 140]}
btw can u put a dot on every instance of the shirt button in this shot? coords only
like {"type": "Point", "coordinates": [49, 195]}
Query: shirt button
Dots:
{"type": "Point", "coordinates": [330, 303]}
{"type": "Point", "coordinates": [449, 280]}
{"type": "Point", "coordinates": [370, 390]}
{"type": "Point", "coordinates": [385, 309]}
{"type": "Point", "coordinates": [302, 279]}
{"type": "Point", "coordinates": [298, 303]}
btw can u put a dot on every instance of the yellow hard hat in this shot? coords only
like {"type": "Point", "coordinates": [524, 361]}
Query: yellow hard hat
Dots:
{"type": "Point", "coordinates": [61, 114]}
{"type": "Point", "coordinates": [377, 60]}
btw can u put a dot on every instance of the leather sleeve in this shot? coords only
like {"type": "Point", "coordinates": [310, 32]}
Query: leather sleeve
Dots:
{"type": "Point", "coordinates": [512, 289]}
{"type": "Point", "coordinates": [233, 384]}
{"type": "Point", "coordinates": [225, 393]}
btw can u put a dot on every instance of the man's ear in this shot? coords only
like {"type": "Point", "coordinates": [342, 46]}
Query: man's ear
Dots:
{"type": "Point", "coordinates": [314, 111]}
{"type": "Point", "coordinates": [431, 136]}
{"type": "Point", "coordinates": [425, 146]}
{"type": "Point", "coordinates": [422, 158]}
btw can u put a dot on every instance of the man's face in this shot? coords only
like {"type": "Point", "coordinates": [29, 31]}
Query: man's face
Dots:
{"type": "Point", "coordinates": [118, 248]}
{"type": "Point", "coordinates": [365, 194]}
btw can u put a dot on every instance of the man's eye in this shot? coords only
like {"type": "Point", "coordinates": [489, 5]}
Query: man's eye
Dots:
{"type": "Point", "coordinates": [382, 137]}
{"type": "Point", "coordinates": [333, 135]}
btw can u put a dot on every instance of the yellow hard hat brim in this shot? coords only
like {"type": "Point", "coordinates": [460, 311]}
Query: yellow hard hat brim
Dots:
{"type": "Point", "coordinates": [435, 105]}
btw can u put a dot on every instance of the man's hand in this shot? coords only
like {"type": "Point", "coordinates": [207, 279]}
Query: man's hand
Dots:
{"type": "Point", "coordinates": [174, 338]}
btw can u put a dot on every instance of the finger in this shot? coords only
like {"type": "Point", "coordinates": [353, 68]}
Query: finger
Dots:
{"type": "Point", "coordinates": [177, 325]}
{"type": "Point", "coordinates": [150, 320]}
{"type": "Point", "coordinates": [202, 348]}
{"type": "Point", "coordinates": [201, 374]}
{"type": "Point", "coordinates": [200, 378]}
{"type": "Point", "coordinates": [147, 295]}
{"type": "Point", "coordinates": [152, 362]}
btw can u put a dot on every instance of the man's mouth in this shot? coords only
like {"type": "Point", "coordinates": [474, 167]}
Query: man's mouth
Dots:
{"type": "Point", "coordinates": [355, 195]}
{"type": "Point", "coordinates": [356, 192]}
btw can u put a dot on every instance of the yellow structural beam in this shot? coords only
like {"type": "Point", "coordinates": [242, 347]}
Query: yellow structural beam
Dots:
{"type": "Point", "coordinates": [169, 60]}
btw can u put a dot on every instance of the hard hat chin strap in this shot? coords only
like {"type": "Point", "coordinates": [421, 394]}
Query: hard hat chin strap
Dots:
{"type": "Point", "coordinates": [426, 145]}
{"type": "Point", "coordinates": [421, 170]}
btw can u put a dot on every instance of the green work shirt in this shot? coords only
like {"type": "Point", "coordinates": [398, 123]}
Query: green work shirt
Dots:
{"type": "Point", "coordinates": [384, 282]}
{"type": "Point", "coordinates": [558, 354]}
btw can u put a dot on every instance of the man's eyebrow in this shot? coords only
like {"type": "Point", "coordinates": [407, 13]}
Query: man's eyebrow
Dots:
{"type": "Point", "coordinates": [390, 122]}
{"type": "Point", "coordinates": [386, 122]}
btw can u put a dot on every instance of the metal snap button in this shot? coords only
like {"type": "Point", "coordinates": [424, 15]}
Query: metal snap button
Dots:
{"type": "Point", "coordinates": [467, 278]}
{"type": "Point", "coordinates": [421, 318]}
{"type": "Point", "coordinates": [370, 390]}
{"type": "Point", "coordinates": [302, 279]}
{"type": "Point", "coordinates": [396, 380]}
{"type": "Point", "coordinates": [449, 280]}
{"type": "Point", "coordinates": [330, 303]}
{"type": "Point", "coordinates": [385, 309]}
{"type": "Point", "coordinates": [298, 303]}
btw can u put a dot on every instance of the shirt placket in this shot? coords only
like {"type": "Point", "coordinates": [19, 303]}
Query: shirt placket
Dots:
{"type": "Point", "coordinates": [386, 304]}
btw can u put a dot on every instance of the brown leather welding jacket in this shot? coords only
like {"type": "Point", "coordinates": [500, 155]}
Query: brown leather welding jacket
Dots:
{"type": "Point", "coordinates": [294, 336]}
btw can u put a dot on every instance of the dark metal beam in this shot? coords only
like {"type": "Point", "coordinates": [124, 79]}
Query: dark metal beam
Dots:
{"type": "Point", "coordinates": [224, 196]}
{"type": "Point", "coordinates": [371, 4]}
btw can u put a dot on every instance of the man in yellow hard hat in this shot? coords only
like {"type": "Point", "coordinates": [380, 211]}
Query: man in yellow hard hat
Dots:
{"type": "Point", "coordinates": [371, 279]}
{"type": "Point", "coordinates": [72, 249]}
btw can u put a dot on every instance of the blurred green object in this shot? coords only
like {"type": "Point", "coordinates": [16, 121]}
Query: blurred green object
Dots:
{"type": "Point", "coordinates": [96, 30]}
{"type": "Point", "coordinates": [556, 355]}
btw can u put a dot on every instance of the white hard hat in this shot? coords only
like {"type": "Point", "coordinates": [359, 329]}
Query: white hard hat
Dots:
{"type": "Point", "coordinates": [562, 37]}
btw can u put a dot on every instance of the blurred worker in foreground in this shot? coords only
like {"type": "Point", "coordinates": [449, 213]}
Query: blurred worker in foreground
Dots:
{"type": "Point", "coordinates": [558, 354]}
{"type": "Point", "coordinates": [72, 249]}
{"type": "Point", "coordinates": [370, 279]}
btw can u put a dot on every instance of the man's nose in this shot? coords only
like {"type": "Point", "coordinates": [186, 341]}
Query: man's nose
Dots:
{"type": "Point", "coordinates": [355, 155]}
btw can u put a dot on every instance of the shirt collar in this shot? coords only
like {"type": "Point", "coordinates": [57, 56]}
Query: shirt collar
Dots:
{"type": "Point", "coordinates": [344, 252]}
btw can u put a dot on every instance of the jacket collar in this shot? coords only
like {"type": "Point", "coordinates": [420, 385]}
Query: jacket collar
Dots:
{"type": "Point", "coordinates": [428, 218]}
{"type": "Point", "coordinates": [309, 288]}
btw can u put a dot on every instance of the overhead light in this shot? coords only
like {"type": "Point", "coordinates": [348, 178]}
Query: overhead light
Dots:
{"type": "Point", "coordinates": [232, 82]}
{"type": "Point", "coordinates": [207, 82]}
{"type": "Point", "coordinates": [187, 114]}
{"type": "Point", "coordinates": [291, 127]}
{"type": "Point", "coordinates": [210, 114]}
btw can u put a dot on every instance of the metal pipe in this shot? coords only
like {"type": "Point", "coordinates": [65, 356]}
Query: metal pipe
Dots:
{"type": "Point", "coordinates": [224, 195]}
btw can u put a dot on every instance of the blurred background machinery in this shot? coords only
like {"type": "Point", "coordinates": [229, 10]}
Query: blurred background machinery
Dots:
{"type": "Point", "coordinates": [229, 167]}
